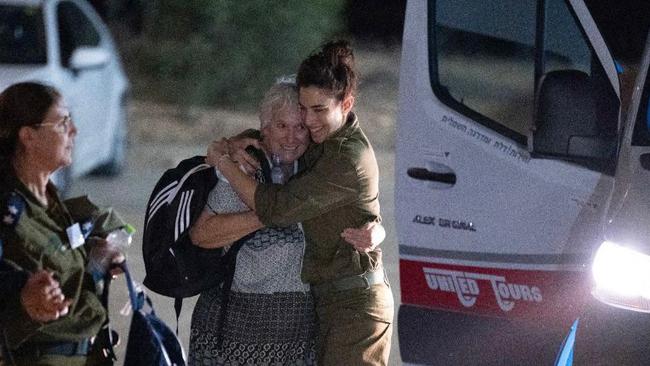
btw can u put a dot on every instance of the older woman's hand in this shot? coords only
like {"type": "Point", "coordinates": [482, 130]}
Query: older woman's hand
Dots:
{"type": "Point", "coordinates": [365, 238]}
{"type": "Point", "coordinates": [42, 297]}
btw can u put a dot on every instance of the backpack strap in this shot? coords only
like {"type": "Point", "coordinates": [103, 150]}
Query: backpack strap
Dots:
{"type": "Point", "coordinates": [178, 301]}
{"type": "Point", "coordinates": [5, 354]}
{"type": "Point", "coordinates": [104, 344]}
{"type": "Point", "coordinates": [178, 306]}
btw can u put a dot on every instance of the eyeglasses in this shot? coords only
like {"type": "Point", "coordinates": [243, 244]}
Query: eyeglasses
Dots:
{"type": "Point", "coordinates": [62, 126]}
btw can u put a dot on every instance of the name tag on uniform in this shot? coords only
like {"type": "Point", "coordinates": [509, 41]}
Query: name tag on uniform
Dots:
{"type": "Point", "coordinates": [75, 237]}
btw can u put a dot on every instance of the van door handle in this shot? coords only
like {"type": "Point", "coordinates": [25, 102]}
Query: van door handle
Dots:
{"type": "Point", "coordinates": [425, 174]}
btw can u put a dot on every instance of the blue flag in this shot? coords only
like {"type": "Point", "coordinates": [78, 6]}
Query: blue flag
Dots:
{"type": "Point", "coordinates": [565, 357]}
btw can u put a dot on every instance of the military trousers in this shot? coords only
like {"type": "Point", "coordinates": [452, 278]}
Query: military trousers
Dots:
{"type": "Point", "coordinates": [355, 326]}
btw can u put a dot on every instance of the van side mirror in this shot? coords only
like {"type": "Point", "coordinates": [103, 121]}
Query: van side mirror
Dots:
{"type": "Point", "coordinates": [571, 119]}
{"type": "Point", "coordinates": [88, 58]}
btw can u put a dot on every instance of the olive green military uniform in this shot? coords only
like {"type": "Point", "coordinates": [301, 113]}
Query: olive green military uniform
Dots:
{"type": "Point", "coordinates": [338, 189]}
{"type": "Point", "coordinates": [34, 238]}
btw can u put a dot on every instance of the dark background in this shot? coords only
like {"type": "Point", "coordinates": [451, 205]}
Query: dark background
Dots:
{"type": "Point", "coordinates": [178, 76]}
{"type": "Point", "coordinates": [624, 23]}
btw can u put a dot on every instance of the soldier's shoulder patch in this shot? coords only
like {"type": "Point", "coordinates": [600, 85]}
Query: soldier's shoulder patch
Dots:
{"type": "Point", "coordinates": [11, 209]}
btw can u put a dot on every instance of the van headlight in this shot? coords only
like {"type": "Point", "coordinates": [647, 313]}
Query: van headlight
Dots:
{"type": "Point", "coordinates": [622, 277]}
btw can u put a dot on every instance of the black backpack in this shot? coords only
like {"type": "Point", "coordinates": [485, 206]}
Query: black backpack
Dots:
{"type": "Point", "coordinates": [174, 266]}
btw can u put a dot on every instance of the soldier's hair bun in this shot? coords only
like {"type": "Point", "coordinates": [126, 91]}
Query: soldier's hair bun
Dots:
{"type": "Point", "coordinates": [331, 68]}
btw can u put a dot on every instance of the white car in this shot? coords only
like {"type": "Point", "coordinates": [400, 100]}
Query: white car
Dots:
{"type": "Point", "coordinates": [65, 44]}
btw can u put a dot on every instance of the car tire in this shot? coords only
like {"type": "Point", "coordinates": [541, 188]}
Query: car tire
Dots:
{"type": "Point", "coordinates": [115, 165]}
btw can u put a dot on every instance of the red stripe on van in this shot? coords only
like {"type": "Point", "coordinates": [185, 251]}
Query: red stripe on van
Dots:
{"type": "Point", "coordinates": [537, 295]}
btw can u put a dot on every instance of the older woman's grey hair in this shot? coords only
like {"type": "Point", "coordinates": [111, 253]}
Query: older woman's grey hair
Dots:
{"type": "Point", "coordinates": [282, 95]}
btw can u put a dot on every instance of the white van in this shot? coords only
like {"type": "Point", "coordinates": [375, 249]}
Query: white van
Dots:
{"type": "Point", "coordinates": [513, 168]}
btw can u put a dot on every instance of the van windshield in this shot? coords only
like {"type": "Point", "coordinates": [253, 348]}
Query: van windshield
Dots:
{"type": "Point", "coordinates": [22, 35]}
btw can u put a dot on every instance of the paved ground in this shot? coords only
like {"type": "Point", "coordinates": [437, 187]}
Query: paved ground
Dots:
{"type": "Point", "coordinates": [129, 193]}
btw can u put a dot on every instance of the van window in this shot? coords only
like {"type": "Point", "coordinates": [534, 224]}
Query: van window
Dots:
{"type": "Point", "coordinates": [488, 68]}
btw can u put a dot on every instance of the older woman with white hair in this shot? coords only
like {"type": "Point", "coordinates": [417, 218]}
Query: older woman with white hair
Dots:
{"type": "Point", "coordinates": [270, 316]}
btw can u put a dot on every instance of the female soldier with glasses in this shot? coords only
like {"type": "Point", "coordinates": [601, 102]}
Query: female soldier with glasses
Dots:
{"type": "Point", "coordinates": [45, 235]}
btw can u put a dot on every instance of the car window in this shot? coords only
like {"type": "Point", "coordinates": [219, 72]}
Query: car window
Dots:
{"type": "Point", "coordinates": [75, 30]}
{"type": "Point", "coordinates": [488, 69]}
{"type": "Point", "coordinates": [22, 35]}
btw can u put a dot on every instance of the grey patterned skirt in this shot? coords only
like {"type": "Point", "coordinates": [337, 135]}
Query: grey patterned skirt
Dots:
{"type": "Point", "coordinates": [259, 329]}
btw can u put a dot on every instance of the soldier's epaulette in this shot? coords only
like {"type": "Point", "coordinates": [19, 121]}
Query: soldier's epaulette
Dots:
{"type": "Point", "coordinates": [12, 207]}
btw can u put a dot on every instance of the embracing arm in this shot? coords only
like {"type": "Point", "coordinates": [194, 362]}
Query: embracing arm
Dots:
{"type": "Point", "coordinates": [365, 238]}
{"type": "Point", "coordinates": [329, 184]}
{"type": "Point", "coordinates": [215, 231]}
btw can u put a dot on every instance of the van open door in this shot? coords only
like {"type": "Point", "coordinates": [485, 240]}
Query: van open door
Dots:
{"type": "Point", "coordinates": [507, 145]}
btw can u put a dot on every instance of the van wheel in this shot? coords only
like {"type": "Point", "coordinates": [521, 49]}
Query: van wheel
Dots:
{"type": "Point", "coordinates": [115, 165]}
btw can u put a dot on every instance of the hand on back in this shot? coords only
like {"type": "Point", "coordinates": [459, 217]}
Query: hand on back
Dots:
{"type": "Point", "coordinates": [366, 238]}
